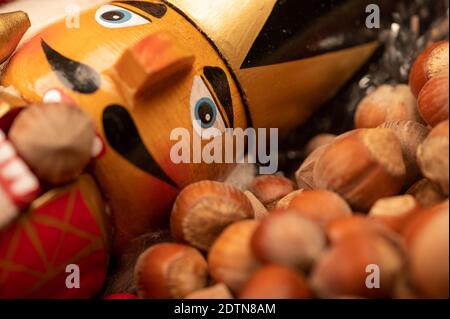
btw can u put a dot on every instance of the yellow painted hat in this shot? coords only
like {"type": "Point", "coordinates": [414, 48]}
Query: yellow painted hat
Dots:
{"type": "Point", "coordinates": [287, 54]}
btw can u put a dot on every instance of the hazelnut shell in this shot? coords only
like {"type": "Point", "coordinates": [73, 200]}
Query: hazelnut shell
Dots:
{"type": "Point", "coordinates": [433, 100]}
{"type": "Point", "coordinates": [321, 206]}
{"type": "Point", "coordinates": [357, 163]}
{"type": "Point", "coordinates": [276, 282]}
{"type": "Point", "coordinates": [170, 271]}
{"type": "Point", "coordinates": [287, 238]}
{"type": "Point", "coordinates": [230, 258]}
{"type": "Point", "coordinates": [387, 103]}
{"type": "Point", "coordinates": [204, 209]}
{"type": "Point", "coordinates": [428, 64]}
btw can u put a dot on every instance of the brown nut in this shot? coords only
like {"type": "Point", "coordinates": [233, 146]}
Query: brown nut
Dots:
{"type": "Point", "coordinates": [287, 238]}
{"type": "Point", "coordinates": [350, 268]}
{"type": "Point", "coordinates": [286, 200]}
{"type": "Point", "coordinates": [259, 210]}
{"type": "Point", "coordinates": [269, 189]}
{"type": "Point", "coordinates": [318, 141]}
{"type": "Point", "coordinates": [218, 291]}
{"type": "Point", "coordinates": [431, 62]}
{"type": "Point", "coordinates": [433, 100]}
{"type": "Point", "coordinates": [230, 259]}
{"type": "Point", "coordinates": [411, 135]}
{"type": "Point", "coordinates": [305, 174]}
{"type": "Point", "coordinates": [440, 130]}
{"type": "Point", "coordinates": [387, 103]}
{"type": "Point", "coordinates": [204, 209]}
{"type": "Point", "coordinates": [427, 239]}
{"type": "Point", "coordinates": [362, 166]}
{"type": "Point", "coordinates": [394, 212]}
{"type": "Point", "coordinates": [276, 282]}
{"type": "Point", "coordinates": [433, 160]}
{"type": "Point", "coordinates": [426, 193]}
{"type": "Point", "coordinates": [55, 140]}
{"type": "Point", "coordinates": [357, 224]}
{"type": "Point", "coordinates": [321, 206]}
{"type": "Point", "coordinates": [170, 271]}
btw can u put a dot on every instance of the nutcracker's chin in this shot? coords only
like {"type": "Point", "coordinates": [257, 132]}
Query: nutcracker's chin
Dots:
{"type": "Point", "coordinates": [139, 202]}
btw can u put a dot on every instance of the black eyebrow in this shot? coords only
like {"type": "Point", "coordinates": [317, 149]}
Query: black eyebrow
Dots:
{"type": "Point", "coordinates": [157, 10]}
{"type": "Point", "coordinates": [219, 82]}
{"type": "Point", "coordinates": [74, 75]}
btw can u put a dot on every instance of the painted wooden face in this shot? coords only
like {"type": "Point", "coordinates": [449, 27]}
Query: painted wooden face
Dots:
{"type": "Point", "coordinates": [141, 70]}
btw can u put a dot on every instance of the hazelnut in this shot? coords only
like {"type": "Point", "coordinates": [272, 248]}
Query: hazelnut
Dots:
{"type": "Point", "coordinates": [431, 62]}
{"type": "Point", "coordinates": [170, 271]}
{"type": "Point", "coordinates": [426, 193]}
{"type": "Point", "coordinates": [411, 135]}
{"type": "Point", "coordinates": [355, 225]}
{"type": "Point", "coordinates": [259, 210]}
{"type": "Point", "coordinates": [305, 174]}
{"type": "Point", "coordinates": [204, 209]}
{"type": "Point", "coordinates": [387, 103]}
{"type": "Point", "coordinates": [432, 157]}
{"type": "Point", "coordinates": [218, 291]}
{"type": "Point", "coordinates": [362, 166]}
{"type": "Point", "coordinates": [276, 282]}
{"type": "Point", "coordinates": [346, 268]}
{"type": "Point", "coordinates": [318, 141]}
{"type": "Point", "coordinates": [55, 140]}
{"type": "Point", "coordinates": [321, 206]}
{"type": "Point", "coordinates": [433, 100]}
{"type": "Point", "coordinates": [427, 239]}
{"type": "Point", "coordinates": [440, 130]}
{"type": "Point", "coordinates": [269, 189]}
{"type": "Point", "coordinates": [394, 212]}
{"type": "Point", "coordinates": [287, 238]}
{"type": "Point", "coordinates": [230, 259]}
{"type": "Point", "coordinates": [286, 200]}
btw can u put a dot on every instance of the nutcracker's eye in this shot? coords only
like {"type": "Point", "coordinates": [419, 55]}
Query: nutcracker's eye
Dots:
{"type": "Point", "coordinates": [205, 112]}
{"type": "Point", "coordinates": [206, 118]}
{"type": "Point", "coordinates": [111, 16]}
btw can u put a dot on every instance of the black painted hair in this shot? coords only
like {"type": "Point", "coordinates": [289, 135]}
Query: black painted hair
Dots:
{"type": "Point", "coordinates": [157, 10]}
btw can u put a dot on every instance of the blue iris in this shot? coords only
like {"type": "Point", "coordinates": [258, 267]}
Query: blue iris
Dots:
{"type": "Point", "coordinates": [205, 112]}
{"type": "Point", "coordinates": [116, 16]}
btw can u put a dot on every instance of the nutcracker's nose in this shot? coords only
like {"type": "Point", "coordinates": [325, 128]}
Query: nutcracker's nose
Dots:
{"type": "Point", "coordinates": [151, 61]}
{"type": "Point", "coordinates": [13, 26]}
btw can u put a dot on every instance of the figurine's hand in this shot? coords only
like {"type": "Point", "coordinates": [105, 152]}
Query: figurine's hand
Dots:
{"type": "Point", "coordinates": [18, 185]}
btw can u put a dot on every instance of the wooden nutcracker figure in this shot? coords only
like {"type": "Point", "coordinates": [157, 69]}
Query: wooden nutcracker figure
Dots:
{"type": "Point", "coordinates": [144, 68]}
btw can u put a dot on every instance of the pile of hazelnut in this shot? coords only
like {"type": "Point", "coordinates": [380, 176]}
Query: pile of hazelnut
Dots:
{"type": "Point", "coordinates": [367, 218]}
